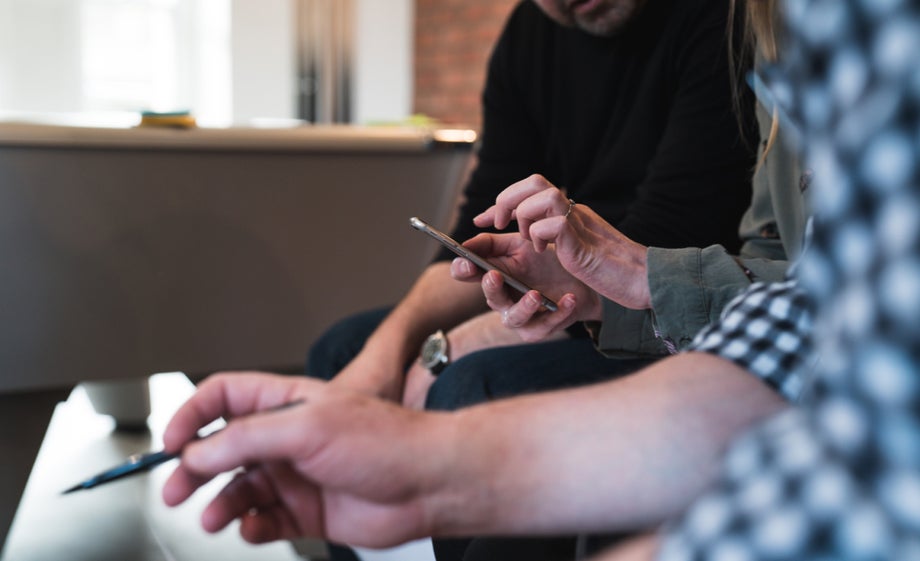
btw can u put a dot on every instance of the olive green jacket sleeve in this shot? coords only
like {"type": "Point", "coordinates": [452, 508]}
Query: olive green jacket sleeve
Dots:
{"type": "Point", "coordinates": [690, 286]}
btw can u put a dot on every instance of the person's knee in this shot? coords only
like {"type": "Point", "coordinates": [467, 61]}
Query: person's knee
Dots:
{"type": "Point", "coordinates": [482, 376]}
{"type": "Point", "coordinates": [447, 394]}
{"type": "Point", "coordinates": [463, 383]}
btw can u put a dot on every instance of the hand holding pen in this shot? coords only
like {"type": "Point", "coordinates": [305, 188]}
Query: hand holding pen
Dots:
{"type": "Point", "coordinates": [343, 466]}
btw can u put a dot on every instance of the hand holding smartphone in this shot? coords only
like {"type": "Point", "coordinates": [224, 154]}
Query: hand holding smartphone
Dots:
{"type": "Point", "coordinates": [452, 245]}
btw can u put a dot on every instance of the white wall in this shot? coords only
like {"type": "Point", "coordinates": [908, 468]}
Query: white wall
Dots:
{"type": "Point", "coordinates": [39, 64]}
{"type": "Point", "coordinates": [263, 59]}
{"type": "Point", "coordinates": [383, 60]}
{"type": "Point", "coordinates": [105, 57]}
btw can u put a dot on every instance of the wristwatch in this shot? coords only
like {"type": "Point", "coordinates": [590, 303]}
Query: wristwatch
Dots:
{"type": "Point", "coordinates": [434, 355]}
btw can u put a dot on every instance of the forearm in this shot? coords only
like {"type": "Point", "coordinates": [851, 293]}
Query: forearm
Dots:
{"type": "Point", "coordinates": [486, 331]}
{"type": "Point", "coordinates": [619, 455]}
{"type": "Point", "coordinates": [436, 301]}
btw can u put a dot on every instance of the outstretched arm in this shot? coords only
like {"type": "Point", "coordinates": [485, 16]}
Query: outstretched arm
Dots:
{"type": "Point", "coordinates": [353, 469]}
{"type": "Point", "coordinates": [620, 455]}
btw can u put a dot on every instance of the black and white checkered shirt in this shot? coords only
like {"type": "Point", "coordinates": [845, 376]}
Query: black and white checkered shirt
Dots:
{"type": "Point", "coordinates": [767, 331]}
{"type": "Point", "coordinates": [839, 477]}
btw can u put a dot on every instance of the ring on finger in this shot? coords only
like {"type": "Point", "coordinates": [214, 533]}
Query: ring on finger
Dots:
{"type": "Point", "coordinates": [568, 211]}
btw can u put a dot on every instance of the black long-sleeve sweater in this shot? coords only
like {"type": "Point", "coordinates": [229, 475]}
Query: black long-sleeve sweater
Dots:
{"type": "Point", "coordinates": [639, 126]}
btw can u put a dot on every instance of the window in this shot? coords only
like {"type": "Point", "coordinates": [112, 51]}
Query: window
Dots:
{"type": "Point", "coordinates": [117, 57]}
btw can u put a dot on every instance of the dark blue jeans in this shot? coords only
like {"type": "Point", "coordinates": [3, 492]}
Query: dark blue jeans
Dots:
{"type": "Point", "coordinates": [476, 378]}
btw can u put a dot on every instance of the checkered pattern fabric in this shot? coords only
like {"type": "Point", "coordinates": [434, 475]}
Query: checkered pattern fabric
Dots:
{"type": "Point", "coordinates": [765, 330]}
{"type": "Point", "coordinates": [785, 496]}
{"type": "Point", "coordinates": [840, 477]}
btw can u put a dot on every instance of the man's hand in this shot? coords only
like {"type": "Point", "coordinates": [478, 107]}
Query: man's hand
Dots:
{"type": "Point", "coordinates": [315, 469]}
{"type": "Point", "coordinates": [526, 314]}
{"type": "Point", "coordinates": [586, 245]}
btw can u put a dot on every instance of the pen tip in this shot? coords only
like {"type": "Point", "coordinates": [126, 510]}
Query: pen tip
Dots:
{"type": "Point", "coordinates": [76, 487]}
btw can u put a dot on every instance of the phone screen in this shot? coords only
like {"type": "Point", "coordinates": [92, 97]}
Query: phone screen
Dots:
{"type": "Point", "coordinates": [452, 245]}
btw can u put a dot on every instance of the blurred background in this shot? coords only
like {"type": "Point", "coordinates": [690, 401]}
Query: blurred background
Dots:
{"type": "Point", "coordinates": [113, 241]}
{"type": "Point", "coordinates": [233, 61]}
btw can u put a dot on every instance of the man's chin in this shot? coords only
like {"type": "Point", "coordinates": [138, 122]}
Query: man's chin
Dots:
{"type": "Point", "coordinates": [602, 27]}
{"type": "Point", "coordinates": [605, 21]}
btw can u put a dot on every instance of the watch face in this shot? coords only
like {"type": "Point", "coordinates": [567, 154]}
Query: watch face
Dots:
{"type": "Point", "coordinates": [434, 351]}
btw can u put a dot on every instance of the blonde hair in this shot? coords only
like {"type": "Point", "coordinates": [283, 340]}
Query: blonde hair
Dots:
{"type": "Point", "coordinates": [759, 31]}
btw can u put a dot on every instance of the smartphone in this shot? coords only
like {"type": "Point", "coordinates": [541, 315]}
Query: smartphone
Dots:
{"type": "Point", "coordinates": [452, 245]}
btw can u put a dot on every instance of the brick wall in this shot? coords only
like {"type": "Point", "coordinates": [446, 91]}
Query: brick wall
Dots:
{"type": "Point", "coordinates": [453, 40]}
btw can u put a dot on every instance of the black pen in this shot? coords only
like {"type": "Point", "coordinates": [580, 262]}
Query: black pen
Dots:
{"type": "Point", "coordinates": [139, 463]}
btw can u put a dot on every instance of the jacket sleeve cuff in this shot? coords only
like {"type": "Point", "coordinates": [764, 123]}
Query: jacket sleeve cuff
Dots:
{"type": "Point", "coordinates": [626, 333]}
{"type": "Point", "coordinates": [689, 287]}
